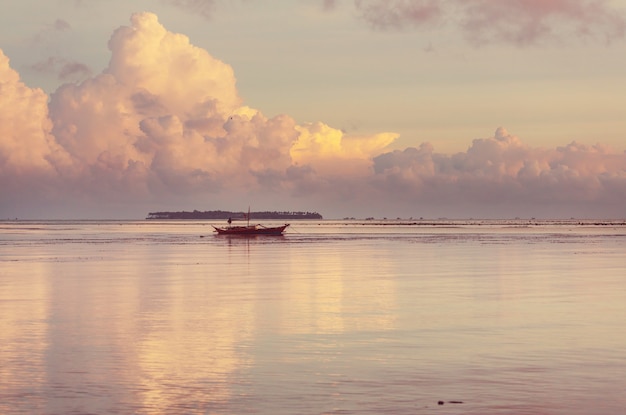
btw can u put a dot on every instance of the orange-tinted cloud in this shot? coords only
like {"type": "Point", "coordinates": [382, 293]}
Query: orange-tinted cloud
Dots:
{"type": "Point", "coordinates": [502, 173]}
{"type": "Point", "coordinates": [27, 147]}
{"type": "Point", "coordinates": [163, 119]}
{"type": "Point", "coordinates": [164, 125]}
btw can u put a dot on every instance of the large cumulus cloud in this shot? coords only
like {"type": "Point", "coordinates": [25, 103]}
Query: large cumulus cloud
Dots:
{"type": "Point", "coordinates": [164, 119]}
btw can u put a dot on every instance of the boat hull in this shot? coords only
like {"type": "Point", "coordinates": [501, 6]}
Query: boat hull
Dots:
{"type": "Point", "coordinates": [251, 230]}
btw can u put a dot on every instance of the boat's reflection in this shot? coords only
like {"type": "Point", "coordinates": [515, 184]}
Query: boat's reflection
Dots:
{"type": "Point", "coordinates": [247, 240]}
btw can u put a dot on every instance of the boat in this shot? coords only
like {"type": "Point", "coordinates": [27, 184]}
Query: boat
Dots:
{"type": "Point", "coordinates": [251, 230]}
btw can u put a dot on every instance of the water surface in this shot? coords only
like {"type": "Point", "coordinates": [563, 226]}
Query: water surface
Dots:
{"type": "Point", "coordinates": [163, 317]}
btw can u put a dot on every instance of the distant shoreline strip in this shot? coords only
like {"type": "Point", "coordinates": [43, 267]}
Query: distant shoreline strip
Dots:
{"type": "Point", "coordinates": [222, 214]}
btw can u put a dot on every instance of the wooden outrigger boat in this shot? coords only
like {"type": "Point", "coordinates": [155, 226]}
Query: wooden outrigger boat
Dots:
{"type": "Point", "coordinates": [250, 230]}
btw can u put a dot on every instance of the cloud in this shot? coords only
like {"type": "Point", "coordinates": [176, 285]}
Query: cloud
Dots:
{"type": "Point", "coordinates": [74, 70]}
{"type": "Point", "coordinates": [329, 4]}
{"type": "Point", "coordinates": [61, 25]}
{"type": "Point", "coordinates": [397, 14]}
{"type": "Point", "coordinates": [525, 22]}
{"type": "Point", "coordinates": [63, 69]}
{"type": "Point", "coordinates": [501, 172]}
{"type": "Point", "coordinates": [51, 30]}
{"type": "Point", "coordinates": [164, 118]}
{"type": "Point", "coordinates": [520, 22]}
{"type": "Point", "coordinates": [30, 158]}
{"type": "Point", "coordinates": [26, 146]}
{"type": "Point", "coordinates": [205, 8]}
{"type": "Point", "coordinates": [163, 126]}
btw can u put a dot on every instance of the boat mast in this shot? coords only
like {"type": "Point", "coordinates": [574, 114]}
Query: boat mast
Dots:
{"type": "Point", "coordinates": [248, 215]}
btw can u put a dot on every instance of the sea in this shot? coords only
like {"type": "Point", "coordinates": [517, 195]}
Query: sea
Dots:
{"type": "Point", "coordinates": [334, 317]}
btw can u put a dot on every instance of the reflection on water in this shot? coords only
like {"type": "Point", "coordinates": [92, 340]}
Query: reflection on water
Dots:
{"type": "Point", "coordinates": [23, 343]}
{"type": "Point", "coordinates": [163, 317]}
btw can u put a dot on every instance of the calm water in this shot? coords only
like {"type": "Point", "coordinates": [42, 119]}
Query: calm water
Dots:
{"type": "Point", "coordinates": [333, 318]}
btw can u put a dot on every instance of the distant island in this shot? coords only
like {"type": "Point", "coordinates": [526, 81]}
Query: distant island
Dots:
{"type": "Point", "coordinates": [224, 214]}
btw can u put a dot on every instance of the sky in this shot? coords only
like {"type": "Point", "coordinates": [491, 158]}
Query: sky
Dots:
{"type": "Point", "coordinates": [350, 108]}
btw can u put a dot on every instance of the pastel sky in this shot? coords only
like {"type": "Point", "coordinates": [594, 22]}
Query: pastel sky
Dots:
{"type": "Point", "coordinates": [398, 108]}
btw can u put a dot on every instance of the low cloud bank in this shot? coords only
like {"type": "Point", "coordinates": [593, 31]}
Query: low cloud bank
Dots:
{"type": "Point", "coordinates": [163, 126]}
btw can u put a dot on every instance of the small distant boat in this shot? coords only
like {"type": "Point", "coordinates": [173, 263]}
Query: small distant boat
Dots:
{"type": "Point", "coordinates": [250, 230]}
